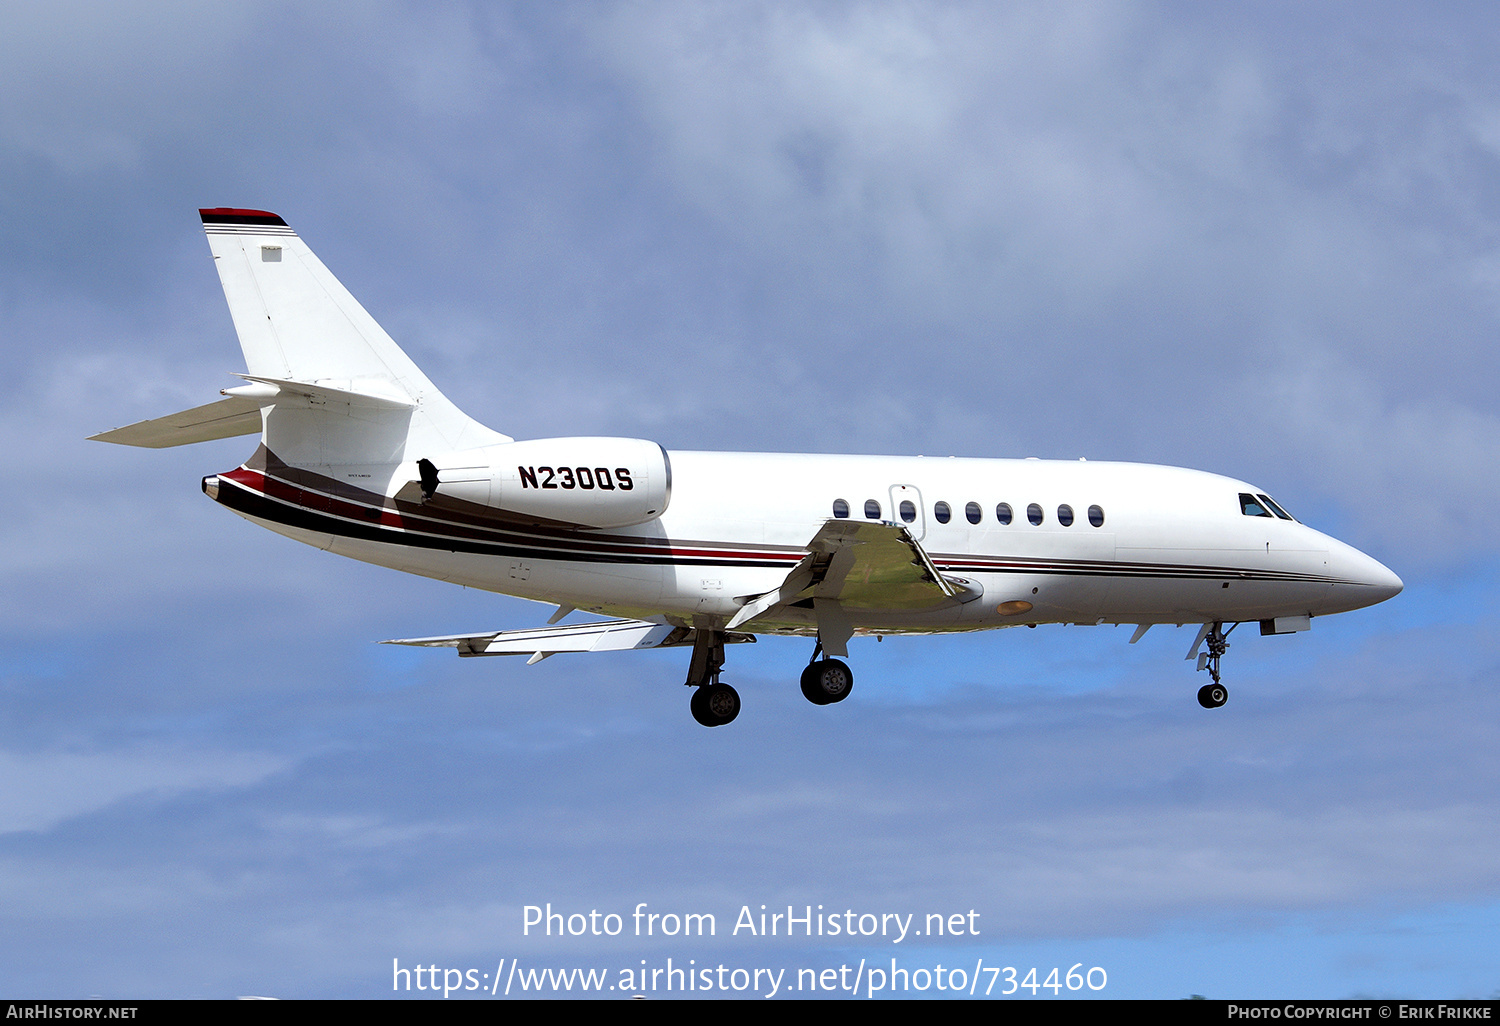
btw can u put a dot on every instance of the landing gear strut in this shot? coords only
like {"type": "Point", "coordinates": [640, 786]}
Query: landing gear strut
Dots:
{"type": "Point", "coordinates": [826, 681]}
{"type": "Point", "coordinates": [714, 704]}
{"type": "Point", "coordinates": [1212, 696]}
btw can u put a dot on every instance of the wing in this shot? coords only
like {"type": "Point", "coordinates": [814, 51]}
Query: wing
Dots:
{"type": "Point", "coordinates": [541, 642]}
{"type": "Point", "coordinates": [876, 566]}
{"type": "Point", "coordinates": [859, 565]}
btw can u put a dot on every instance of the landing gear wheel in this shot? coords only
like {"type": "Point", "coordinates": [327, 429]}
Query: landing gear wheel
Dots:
{"type": "Point", "coordinates": [1211, 696]}
{"type": "Point", "coordinates": [809, 685]}
{"type": "Point", "coordinates": [827, 681]}
{"type": "Point", "coordinates": [714, 705]}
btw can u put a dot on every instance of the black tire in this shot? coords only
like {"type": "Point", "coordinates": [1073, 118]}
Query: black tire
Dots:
{"type": "Point", "coordinates": [1212, 696]}
{"type": "Point", "coordinates": [827, 682]}
{"type": "Point", "coordinates": [714, 705]}
{"type": "Point", "coordinates": [810, 685]}
{"type": "Point", "coordinates": [700, 709]}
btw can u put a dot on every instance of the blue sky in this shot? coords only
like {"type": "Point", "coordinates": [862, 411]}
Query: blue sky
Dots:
{"type": "Point", "coordinates": [1259, 240]}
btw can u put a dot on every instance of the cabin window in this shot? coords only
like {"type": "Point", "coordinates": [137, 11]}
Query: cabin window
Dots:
{"type": "Point", "coordinates": [973, 512]}
{"type": "Point", "coordinates": [1034, 514]}
{"type": "Point", "coordinates": [1252, 508]}
{"type": "Point", "coordinates": [841, 509]}
{"type": "Point", "coordinates": [1065, 515]}
{"type": "Point", "coordinates": [1270, 504]}
{"type": "Point", "coordinates": [872, 509]}
{"type": "Point", "coordinates": [908, 510]}
{"type": "Point", "coordinates": [942, 512]}
{"type": "Point", "coordinates": [1003, 513]}
{"type": "Point", "coordinates": [1096, 516]}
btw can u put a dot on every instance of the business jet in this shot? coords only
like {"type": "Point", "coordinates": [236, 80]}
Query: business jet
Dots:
{"type": "Point", "coordinates": [360, 454]}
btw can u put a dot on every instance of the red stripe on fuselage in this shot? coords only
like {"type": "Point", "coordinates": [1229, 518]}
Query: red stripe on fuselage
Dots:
{"type": "Point", "coordinates": [438, 524]}
{"type": "Point", "coordinates": [434, 525]}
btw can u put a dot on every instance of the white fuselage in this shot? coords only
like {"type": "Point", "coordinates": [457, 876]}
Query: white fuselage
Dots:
{"type": "Point", "coordinates": [1172, 545]}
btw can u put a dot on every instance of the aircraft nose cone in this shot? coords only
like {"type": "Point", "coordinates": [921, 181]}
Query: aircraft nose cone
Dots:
{"type": "Point", "coordinates": [1373, 579]}
{"type": "Point", "coordinates": [1382, 581]}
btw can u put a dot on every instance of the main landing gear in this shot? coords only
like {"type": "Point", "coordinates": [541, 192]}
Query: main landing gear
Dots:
{"type": "Point", "coordinates": [825, 680]}
{"type": "Point", "coordinates": [714, 703]}
{"type": "Point", "coordinates": [1212, 696]}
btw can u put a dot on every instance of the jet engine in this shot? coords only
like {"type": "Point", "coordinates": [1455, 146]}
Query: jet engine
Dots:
{"type": "Point", "coordinates": [580, 482]}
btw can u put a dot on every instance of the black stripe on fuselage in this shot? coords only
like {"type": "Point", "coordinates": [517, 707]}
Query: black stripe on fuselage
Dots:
{"type": "Point", "coordinates": [256, 504]}
{"type": "Point", "coordinates": [585, 549]}
{"type": "Point", "coordinates": [304, 489]}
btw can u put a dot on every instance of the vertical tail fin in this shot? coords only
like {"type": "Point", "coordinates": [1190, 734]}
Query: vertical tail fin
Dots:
{"type": "Point", "coordinates": [298, 325]}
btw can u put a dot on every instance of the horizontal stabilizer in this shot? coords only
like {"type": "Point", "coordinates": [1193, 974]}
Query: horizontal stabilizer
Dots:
{"type": "Point", "coordinates": [318, 391]}
{"type": "Point", "coordinates": [226, 418]}
{"type": "Point", "coordinates": [600, 636]}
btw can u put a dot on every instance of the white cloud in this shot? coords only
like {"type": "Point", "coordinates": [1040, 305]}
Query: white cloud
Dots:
{"type": "Point", "coordinates": [39, 790]}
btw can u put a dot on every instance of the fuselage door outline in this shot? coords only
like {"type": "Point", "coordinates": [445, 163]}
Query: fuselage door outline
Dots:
{"type": "Point", "coordinates": [905, 493]}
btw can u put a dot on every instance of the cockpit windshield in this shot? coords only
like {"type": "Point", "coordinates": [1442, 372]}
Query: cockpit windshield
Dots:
{"type": "Point", "coordinates": [1259, 505]}
{"type": "Point", "coordinates": [1271, 503]}
{"type": "Point", "coordinates": [1251, 508]}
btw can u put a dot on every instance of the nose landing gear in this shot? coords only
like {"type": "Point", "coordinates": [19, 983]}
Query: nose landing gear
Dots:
{"type": "Point", "coordinates": [1212, 696]}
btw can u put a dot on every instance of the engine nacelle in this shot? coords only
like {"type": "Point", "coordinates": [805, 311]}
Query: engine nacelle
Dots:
{"type": "Point", "coordinates": [587, 482]}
